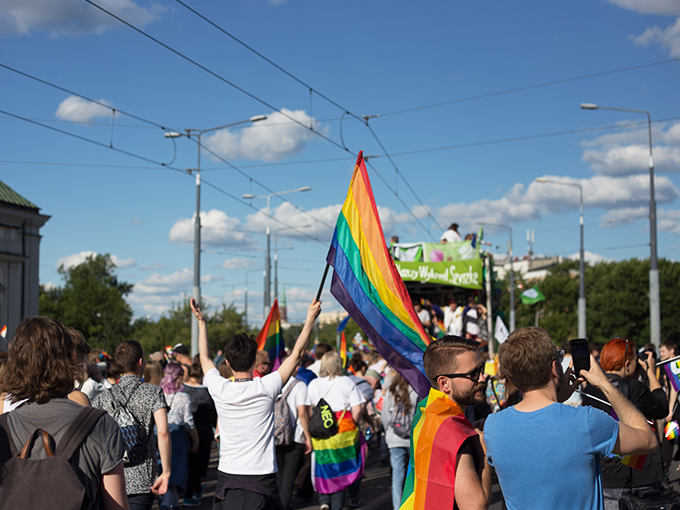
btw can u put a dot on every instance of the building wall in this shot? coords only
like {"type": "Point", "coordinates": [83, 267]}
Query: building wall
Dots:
{"type": "Point", "coordinates": [19, 265]}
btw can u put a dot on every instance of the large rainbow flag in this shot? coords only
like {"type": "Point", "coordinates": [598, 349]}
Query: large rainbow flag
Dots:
{"type": "Point", "coordinates": [270, 338]}
{"type": "Point", "coordinates": [438, 430]}
{"type": "Point", "coordinates": [672, 371]}
{"type": "Point", "coordinates": [338, 461]}
{"type": "Point", "coordinates": [367, 284]}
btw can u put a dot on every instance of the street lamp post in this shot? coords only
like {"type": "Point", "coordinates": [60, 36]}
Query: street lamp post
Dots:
{"type": "Point", "coordinates": [654, 294]}
{"type": "Point", "coordinates": [512, 273]}
{"type": "Point", "coordinates": [268, 264]}
{"type": "Point", "coordinates": [582, 264]}
{"type": "Point", "coordinates": [196, 292]}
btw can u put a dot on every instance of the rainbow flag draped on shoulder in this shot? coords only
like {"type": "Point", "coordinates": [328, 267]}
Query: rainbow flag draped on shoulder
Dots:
{"type": "Point", "coordinates": [270, 338]}
{"type": "Point", "coordinates": [367, 284]}
{"type": "Point", "coordinates": [338, 461]}
{"type": "Point", "coordinates": [439, 429]}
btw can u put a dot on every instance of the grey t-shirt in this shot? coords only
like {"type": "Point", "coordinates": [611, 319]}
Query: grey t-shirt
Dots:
{"type": "Point", "coordinates": [98, 454]}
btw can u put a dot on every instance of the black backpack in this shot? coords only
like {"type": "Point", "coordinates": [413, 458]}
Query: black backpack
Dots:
{"type": "Point", "coordinates": [50, 482]}
{"type": "Point", "coordinates": [322, 424]}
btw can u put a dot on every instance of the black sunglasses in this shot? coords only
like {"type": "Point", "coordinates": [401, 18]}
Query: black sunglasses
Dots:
{"type": "Point", "coordinates": [473, 375]}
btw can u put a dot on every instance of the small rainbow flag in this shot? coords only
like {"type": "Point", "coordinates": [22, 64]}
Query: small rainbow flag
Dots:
{"type": "Point", "coordinates": [671, 430]}
{"type": "Point", "coordinates": [672, 370]}
{"type": "Point", "coordinates": [338, 462]}
{"type": "Point", "coordinates": [270, 338]}
{"type": "Point", "coordinates": [3, 331]}
{"type": "Point", "coordinates": [634, 461]}
{"type": "Point", "coordinates": [439, 428]}
{"type": "Point", "coordinates": [367, 284]}
{"type": "Point", "coordinates": [343, 350]}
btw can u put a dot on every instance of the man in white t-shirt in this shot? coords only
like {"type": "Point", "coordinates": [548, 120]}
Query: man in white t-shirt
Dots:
{"type": "Point", "coordinates": [245, 412]}
{"type": "Point", "coordinates": [451, 235]}
{"type": "Point", "coordinates": [453, 318]}
{"type": "Point", "coordinates": [289, 457]}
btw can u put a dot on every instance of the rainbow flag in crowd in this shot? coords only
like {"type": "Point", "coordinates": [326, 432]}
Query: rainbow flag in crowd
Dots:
{"type": "Point", "coordinates": [438, 430]}
{"type": "Point", "coordinates": [338, 462]}
{"type": "Point", "coordinates": [270, 338]}
{"type": "Point", "coordinates": [634, 461]}
{"type": "Point", "coordinates": [343, 350]}
{"type": "Point", "coordinates": [367, 284]}
{"type": "Point", "coordinates": [3, 331]}
{"type": "Point", "coordinates": [672, 370]}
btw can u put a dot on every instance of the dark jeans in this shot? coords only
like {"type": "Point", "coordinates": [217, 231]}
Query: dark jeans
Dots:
{"type": "Point", "coordinates": [334, 500]}
{"type": "Point", "coordinates": [288, 461]}
{"type": "Point", "coordinates": [246, 492]}
{"type": "Point", "coordinates": [140, 501]}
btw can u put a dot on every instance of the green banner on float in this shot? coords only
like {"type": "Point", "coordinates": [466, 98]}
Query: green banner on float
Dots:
{"type": "Point", "coordinates": [460, 273]}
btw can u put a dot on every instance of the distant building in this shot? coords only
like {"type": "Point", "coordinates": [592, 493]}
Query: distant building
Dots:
{"type": "Point", "coordinates": [331, 317]}
{"type": "Point", "coordinates": [20, 223]}
{"type": "Point", "coordinates": [530, 269]}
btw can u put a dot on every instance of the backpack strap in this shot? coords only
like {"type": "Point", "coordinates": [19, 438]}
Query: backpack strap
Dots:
{"type": "Point", "coordinates": [290, 388]}
{"type": "Point", "coordinates": [78, 431]}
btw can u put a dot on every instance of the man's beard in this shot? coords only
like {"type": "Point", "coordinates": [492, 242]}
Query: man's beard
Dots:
{"type": "Point", "coordinates": [469, 398]}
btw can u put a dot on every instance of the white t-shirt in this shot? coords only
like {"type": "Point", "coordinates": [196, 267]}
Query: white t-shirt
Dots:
{"type": "Point", "coordinates": [245, 413]}
{"type": "Point", "coordinates": [453, 320]}
{"type": "Point", "coordinates": [297, 397]}
{"type": "Point", "coordinates": [340, 392]}
{"type": "Point", "coordinates": [472, 327]}
{"type": "Point", "coordinates": [424, 316]}
{"type": "Point", "coordinates": [451, 236]}
{"type": "Point", "coordinates": [315, 367]}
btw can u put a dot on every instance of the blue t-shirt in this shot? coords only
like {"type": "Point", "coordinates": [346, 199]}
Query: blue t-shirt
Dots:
{"type": "Point", "coordinates": [550, 458]}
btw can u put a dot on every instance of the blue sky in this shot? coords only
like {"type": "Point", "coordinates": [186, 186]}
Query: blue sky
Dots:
{"type": "Point", "coordinates": [468, 159]}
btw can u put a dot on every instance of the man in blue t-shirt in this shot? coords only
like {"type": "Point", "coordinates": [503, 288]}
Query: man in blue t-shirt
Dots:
{"type": "Point", "coordinates": [546, 454]}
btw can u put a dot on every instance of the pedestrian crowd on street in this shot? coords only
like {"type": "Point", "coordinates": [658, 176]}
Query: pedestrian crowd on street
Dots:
{"type": "Point", "coordinates": [137, 430]}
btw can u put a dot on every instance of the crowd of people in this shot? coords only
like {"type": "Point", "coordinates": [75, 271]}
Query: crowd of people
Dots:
{"type": "Point", "coordinates": [145, 426]}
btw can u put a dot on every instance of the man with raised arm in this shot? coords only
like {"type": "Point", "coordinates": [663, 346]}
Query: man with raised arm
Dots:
{"type": "Point", "coordinates": [245, 412]}
{"type": "Point", "coordinates": [546, 454]}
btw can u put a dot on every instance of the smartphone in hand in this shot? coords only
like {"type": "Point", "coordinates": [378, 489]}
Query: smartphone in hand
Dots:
{"type": "Point", "coordinates": [580, 354]}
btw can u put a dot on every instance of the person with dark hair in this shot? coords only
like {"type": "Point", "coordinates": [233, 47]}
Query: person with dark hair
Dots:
{"type": "Point", "coordinates": [456, 371]}
{"type": "Point", "coordinates": [620, 362]}
{"type": "Point", "coordinates": [205, 418]}
{"type": "Point", "coordinates": [245, 411]}
{"type": "Point", "coordinates": [146, 404]}
{"type": "Point", "coordinates": [40, 370]}
{"type": "Point", "coordinates": [400, 396]}
{"type": "Point", "coordinates": [180, 422]}
{"type": "Point", "coordinates": [319, 352]}
{"type": "Point", "coordinates": [526, 443]}
{"type": "Point", "coordinates": [451, 235]}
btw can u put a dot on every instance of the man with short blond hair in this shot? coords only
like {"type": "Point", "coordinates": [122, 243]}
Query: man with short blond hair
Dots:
{"type": "Point", "coordinates": [546, 454]}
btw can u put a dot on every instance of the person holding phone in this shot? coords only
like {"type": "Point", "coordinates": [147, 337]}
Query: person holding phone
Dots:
{"type": "Point", "coordinates": [619, 360]}
{"type": "Point", "coordinates": [540, 441]}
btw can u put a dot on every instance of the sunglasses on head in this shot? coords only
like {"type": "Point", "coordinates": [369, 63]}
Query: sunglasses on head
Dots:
{"type": "Point", "coordinates": [473, 375]}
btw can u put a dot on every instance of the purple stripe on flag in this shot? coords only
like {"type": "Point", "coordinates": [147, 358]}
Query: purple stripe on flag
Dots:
{"type": "Point", "coordinates": [675, 381]}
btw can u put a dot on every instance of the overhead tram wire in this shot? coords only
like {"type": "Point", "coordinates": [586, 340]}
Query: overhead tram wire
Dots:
{"type": "Point", "coordinates": [346, 111]}
{"type": "Point", "coordinates": [148, 160]}
{"type": "Point", "coordinates": [249, 94]}
{"type": "Point", "coordinates": [218, 76]}
{"type": "Point", "coordinates": [529, 87]}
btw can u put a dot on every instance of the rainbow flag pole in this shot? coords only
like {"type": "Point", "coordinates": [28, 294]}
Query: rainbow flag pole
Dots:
{"type": "Point", "coordinates": [343, 350]}
{"type": "Point", "coordinates": [367, 284]}
{"type": "Point", "coordinates": [270, 338]}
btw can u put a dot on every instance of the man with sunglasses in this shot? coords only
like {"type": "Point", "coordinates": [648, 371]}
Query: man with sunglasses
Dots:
{"type": "Point", "coordinates": [546, 454]}
{"type": "Point", "coordinates": [453, 472]}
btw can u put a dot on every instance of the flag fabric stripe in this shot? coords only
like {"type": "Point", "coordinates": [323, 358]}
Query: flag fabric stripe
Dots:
{"type": "Point", "coordinates": [343, 349]}
{"type": "Point", "coordinates": [439, 430]}
{"type": "Point", "coordinates": [367, 284]}
{"type": "Point", "coordinates": [675, 381]}
{"type": "Point", "coordinates": [270, 338]}
{"type": "Point", "coordinates": [351, 254]}
{"type": "Point", "coordinates": [408, 362]}
{"type": "Point", "coordinates": [338, 461]}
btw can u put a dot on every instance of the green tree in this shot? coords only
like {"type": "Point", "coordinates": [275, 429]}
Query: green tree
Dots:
{"type": "Point", "coordinates": [92, 300]}
{"type": "Point", "coordinates": [174, 326]}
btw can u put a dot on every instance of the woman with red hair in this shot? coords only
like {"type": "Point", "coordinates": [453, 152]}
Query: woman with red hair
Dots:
{"type": "Point", "coordinates": [620, 362]}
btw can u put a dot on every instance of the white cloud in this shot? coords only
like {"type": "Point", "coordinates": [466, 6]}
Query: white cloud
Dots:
{"type": "Point", "coordinates": [157, 266]}
{"type": "Point", "coordinates": [663, 7]}
{"type": "Point", "coordinates": [238, 263]}
{"type": "Point", "coordinates": [668, 220]}
{"type": "Point", "coordinates": [590, 257]}
{"type": "Point", "coordinates": [628, 152]}
{"type": "Point", "coordinates": [272, 139]}
{"type": "Point", "coordinates": [623, 216]}
{"type": "Point", "coordinates": [668, 38]}
{"type": "Point", "coordinates": [78, 258]}
{"type": "Point", "coordinates": [76, 109]}
{"type": "Point", "coordinates": [49, 286]}
{"type": "Point", "coordinates": [182, 280]}
{"type": "Point", "coordinates": [315, 223]}
{"type": "Point", "coordinates": [123, 263]}
{"type": "Point", "coordinates": [71, 17]}
{"type": "Point", "coordinates": [217, 229]}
